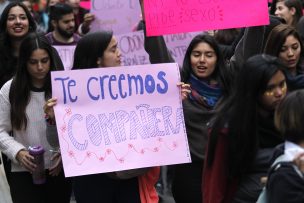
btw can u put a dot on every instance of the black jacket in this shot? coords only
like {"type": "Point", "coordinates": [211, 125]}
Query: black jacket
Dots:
{"type": "Point", "coordinates": [284, 184]}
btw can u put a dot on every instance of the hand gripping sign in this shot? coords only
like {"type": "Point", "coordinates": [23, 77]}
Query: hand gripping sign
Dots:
{"type": "Point", "coordinates": [112, 119]}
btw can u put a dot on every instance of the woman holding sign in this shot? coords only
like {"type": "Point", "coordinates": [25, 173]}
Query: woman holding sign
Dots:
{"type": "Point", "coordinates": [134, 186]}
{"type": "Point", "coordinates": [21, 102]}
{"type": "Point", "coordinates": [204, 70]}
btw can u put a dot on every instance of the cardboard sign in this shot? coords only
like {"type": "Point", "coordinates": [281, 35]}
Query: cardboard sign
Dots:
{"type": "Point", "coordinates": [180, 16]}
{"type": "Point", "coordinates": [132, 48]}
{"type": "Point", "coordinates": [85, 4]}
{"type": "Point", "coordinates": [112, 119]}
{"type": "Point", "coordinates": [120, 16]}
{"type": "Point", "coordinates": [178, 44]}
{"type": "Point", "coordinates": [66, 54]}
{"type": "Point", "coordinates": [133, 52]}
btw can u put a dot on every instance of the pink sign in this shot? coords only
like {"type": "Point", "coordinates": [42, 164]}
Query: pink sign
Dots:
{"type": "Point", "coordinates": [121, 16]}
{"type": "Point", "coordinates": [112, 119]}
{"type": "Point", "coordinates": [178, 44]}
{"type": "Point", "coordinates": [66, 54]}
{"type": "Point", "coordinates": [85, 4]}
{"type": "Point", "coordinates": [132, 48]}
{"type": "Point", "coordinates": [133, 52]}
{"type": "Point", "coordinates": [178, 16]}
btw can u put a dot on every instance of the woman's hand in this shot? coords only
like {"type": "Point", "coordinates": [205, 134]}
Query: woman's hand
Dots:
{"type": "Point", "coordinates": [87, 20]}
{"type": "Point", "coordinates": [49, 108]}
{"type": "Point", "coordinates": [26, 160]}
{"type": "Point", "coordinates": [185, 90]}
{"type": "Point", "coordinates": [56, 168]}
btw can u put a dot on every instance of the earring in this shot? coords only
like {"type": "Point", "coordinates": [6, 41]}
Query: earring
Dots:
{"type": "Point", "coordinates": [98, 61]}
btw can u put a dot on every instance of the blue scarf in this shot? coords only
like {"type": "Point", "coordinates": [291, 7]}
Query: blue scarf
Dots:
{"type": "Point", "coordinates": [203, 93]}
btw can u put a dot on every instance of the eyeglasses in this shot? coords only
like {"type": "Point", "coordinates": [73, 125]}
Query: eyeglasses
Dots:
{"type": "Point", "coordinates": [271, 90]}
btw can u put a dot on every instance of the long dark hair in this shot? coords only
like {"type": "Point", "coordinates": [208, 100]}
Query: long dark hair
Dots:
{"type": "Point", "coordinates": [90, 48]}
{"type": "Point", "coordinates": [3, 34]}
{"type": "Point", "coordinates": [8, 61]}
{"type": "Point", "coordinates": [226, 36]}
{"type": "Point", "coordinates": [289, 117]}
{"type": "Point", "coordinates": [220, 73]}
{"type": "Point", "coordinates": [277, 38]}
{"type": "Point", "coordinates": [296, 4]}
{"type": "Point", "coordinates": [238, 114]}
{"type": "Point", "coordinates": [21, 85]}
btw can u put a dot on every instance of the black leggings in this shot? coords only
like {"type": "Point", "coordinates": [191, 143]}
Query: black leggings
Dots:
{"type": "Point", "coordinates": [99, 188]}
{"type": "Point", "coordinates": [187, 182]}
{"type": "Point", "coordinates": [56, 189]}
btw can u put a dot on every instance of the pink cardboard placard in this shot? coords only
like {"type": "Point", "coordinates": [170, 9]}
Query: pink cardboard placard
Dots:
{"type": "Point", "coordinates": [120, 16]}
{"type": "Point", "coordinates": [133, 52]}
{"type": "Point", "coordinates": [85, 4]}
{"type": "Point", "coordinates": [66, 54]}
{"type": "Point", "coordinates": [112, 119]}
{"type": "Point", "coordinates": [178, 16]}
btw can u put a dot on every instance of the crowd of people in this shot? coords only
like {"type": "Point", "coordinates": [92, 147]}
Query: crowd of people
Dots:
{"type": "Point", "coordinates": [241, 93]}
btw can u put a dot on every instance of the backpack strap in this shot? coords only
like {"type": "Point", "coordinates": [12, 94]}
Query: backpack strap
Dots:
{"type": "Point", "coordinates": [275, 166]}
{"type": "Point", "coordinates": [281, 158]}
{"type": "Point", "coordinates": [278, 163]}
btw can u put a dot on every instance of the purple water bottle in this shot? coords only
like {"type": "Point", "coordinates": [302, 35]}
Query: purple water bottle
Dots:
{"type": "Point", "coordinates": [39, 173]}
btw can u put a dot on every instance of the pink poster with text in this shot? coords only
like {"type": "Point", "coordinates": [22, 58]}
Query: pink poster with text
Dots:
{"type": "Point", "coordinates": [112, 119]}
{"type": "Point", "coordinates": [120, 16]}
{"type": "Point", "coordinates": [66, 54]}
{"type": "Point", "coordinates": [133, 52]}
{"type": "Point", "coordinates": [179, 16]}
